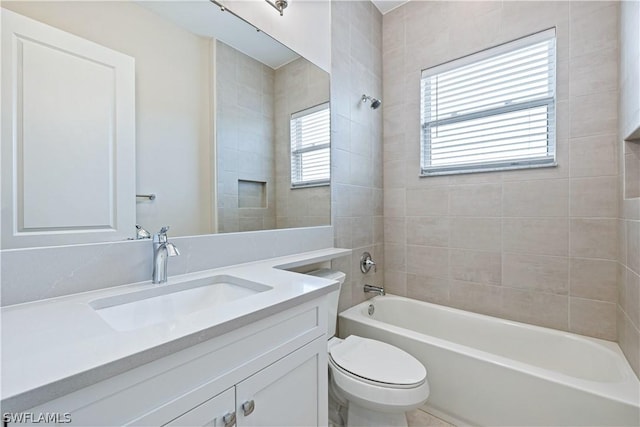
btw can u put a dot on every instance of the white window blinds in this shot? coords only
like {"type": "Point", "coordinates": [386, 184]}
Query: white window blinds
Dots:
{"type": "Point", "coordinates": [493, 110]}
{"type": "Point", "coordinates": [310, 148]}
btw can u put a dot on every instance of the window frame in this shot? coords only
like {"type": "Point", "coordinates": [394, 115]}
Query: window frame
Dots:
{"type": "Point", "coordinates": [295, 153]}
{"type": "Point", "coordinates": [549, 160]}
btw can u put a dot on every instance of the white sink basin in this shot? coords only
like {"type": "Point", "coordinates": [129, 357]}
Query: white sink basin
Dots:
{"type": "Point", "coordinates": [166, 302]}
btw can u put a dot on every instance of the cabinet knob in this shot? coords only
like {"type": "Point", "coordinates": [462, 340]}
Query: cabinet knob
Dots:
{"type": "Point", "coordinates": [248, 407]}
{"type": "Point", "coordinates": [229, 419]}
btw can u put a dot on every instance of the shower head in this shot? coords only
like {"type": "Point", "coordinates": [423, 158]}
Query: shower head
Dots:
{"type": "Point", "coordinates": [375, 103]}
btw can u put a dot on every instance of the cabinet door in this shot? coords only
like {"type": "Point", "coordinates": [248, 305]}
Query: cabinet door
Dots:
{"type": "Point", "coordinates": [218, 411]}
{"type": "Point", "coordinates": [290, 392]}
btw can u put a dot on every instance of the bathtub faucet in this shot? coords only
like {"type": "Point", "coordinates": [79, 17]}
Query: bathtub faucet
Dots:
{"type": "Point", "coordinates": [373, 289]}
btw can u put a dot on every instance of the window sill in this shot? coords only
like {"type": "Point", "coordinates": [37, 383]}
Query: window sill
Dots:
{"type": "Point", "coordinates": [439, 172]}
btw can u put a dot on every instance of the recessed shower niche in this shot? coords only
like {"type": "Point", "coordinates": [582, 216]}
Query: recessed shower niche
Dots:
{"type": "Point", "coordinates": [252, 194]}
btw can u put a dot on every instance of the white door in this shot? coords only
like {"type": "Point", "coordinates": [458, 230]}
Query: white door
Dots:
{"type": "Point", "coordinates": [68, 137]}
{"type": "Point", "coordinates": [290, 392]}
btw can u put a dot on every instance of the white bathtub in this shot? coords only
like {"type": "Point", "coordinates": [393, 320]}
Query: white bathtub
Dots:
{"type": "Point", "coordinates": [488, 371]}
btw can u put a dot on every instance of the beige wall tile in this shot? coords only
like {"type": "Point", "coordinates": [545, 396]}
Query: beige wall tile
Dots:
{"type": "Point", "coordinates": [476, 266]}
{"type": "Point", "coordinates": [630, 209]}
{"type": "Point", "coordinates": [394, 257]}
{"type": "Point", "coordinates": [622, 241]}
{"type": "Point", "coordinates": [394, 202]}
{"type": "Point", "coordinates": [428, 231]}
{"type": "Point", "coordinates": [594, 197]}
{"type": "Point", "coordinates": [430, 289]}
{"type": "Point", "coordinates": [532, 16]}
{"type": "Point", "coordinates": [631, 301]}
{"type": "Point", "coordinates": [631, 176]}
{"type": "Point", "coordinates": [395, 282]}
{"type": "Point", "coordinates": [394, 174]}
{"type": "Point", "coordinates": [594, 27]}
{"type": "Point", "coordinates": [394, 148]}
{"type": "Point", "coordinates": [594, 318]}
{"type": "Point", "coordinates": [526, 306]}
{"type": "Point", "coordinates": [475, 233]}
{"type": "Point", "coordinates": [594, 279]}
{"type": "Point", "coordinates": [629, 339]}
{"type": "Point", "coordinates": [428, 261]}
{"type": "Point", "coordinates": [362, 231]}
{"type": "Point", "coordinates": [357, 152]}
{"type": "Point", "coordinates": [594, 156]}
{"type": "Point", "coordinates": [633, 245]}
{"type": "Point", "coordinates": [543, 236]}
{"type": "Point", "coordinates": [428, 201]}
{"type": "Point", "coordinates": [475, 200]}
{"type": "Point", "coordinates": [594, 72]}
{"type": "Point", "coordinates": [508, 228]}
{"type": "Point", "coordinates": [594, 114]}
{"type": "Point", "coordinates": [394, 230]}
{"type": "Point", "coordinates": [594, 238]}
{"type": "Point", "coordinates": [536, 273]}
{"type": "Point", "coordinates": [538, 198]}
{"type": "Point", "coordinates": [484, 299]}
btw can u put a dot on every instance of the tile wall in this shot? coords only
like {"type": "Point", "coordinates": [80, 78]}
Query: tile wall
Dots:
{"type": "Point", "coordinates": [540, 245]}
{"type": "Point", "coordinates": [245, 101]}
{"type": "Point", "coordinates": [356, 69]}
{"type": "Point", "coordinates": [629, 223]}
{"type": "Point", "coordinates": [298, 85]}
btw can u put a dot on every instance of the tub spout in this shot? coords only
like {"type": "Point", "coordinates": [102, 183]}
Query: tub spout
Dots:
{"type": "Point", "coordinates": [374, 289]}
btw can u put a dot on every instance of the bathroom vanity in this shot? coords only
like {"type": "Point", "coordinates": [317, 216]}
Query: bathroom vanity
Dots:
{"type": "Point", "coordinates": [256, 357]}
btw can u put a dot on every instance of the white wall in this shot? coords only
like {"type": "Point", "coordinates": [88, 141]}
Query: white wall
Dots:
{"type": "Point", "coordinates": [305, 26]}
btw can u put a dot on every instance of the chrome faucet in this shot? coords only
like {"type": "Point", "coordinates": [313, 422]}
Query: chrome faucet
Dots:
{"type": "Point", "coordinates": [141, 233]}
{"type": "Point", "coordinates": [162, 250]}
{"type": "Point", "coordinates": [374, 289]}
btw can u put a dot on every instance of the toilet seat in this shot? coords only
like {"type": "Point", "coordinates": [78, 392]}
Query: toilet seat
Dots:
{"type": "Point", "coordinates": [397, 384]}
{"type": "Point", "coordinates": [377, 363]}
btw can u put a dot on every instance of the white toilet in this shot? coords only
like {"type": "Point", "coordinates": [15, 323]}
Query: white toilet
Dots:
{"type": "Point", "coordinates": [371, 383]}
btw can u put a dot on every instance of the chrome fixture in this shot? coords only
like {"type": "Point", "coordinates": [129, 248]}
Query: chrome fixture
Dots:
{"type": "Point", "coordinates": [375, 103]}
{"type": "Point", "coordinates": [279, 5]}
{"type": "Point", "coordinates": [162, 250]}
{"type": "Point", "coordinates": [141, 233]}
{"type": "Point", "coordinates": [366, 262]}
{"type": "Point", "coordinates": [146, 196]}
{"type": "Point", "coordinates": [370, 289]}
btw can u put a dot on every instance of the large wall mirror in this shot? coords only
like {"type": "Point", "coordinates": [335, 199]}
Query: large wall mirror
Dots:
{"type": "Point", "coordinates": [230, 128]}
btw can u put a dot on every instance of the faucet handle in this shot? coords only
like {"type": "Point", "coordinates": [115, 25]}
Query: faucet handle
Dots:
{"type": "Point", "coordinates": [164, 229]}
{"type": "Point", "coordinates": [366, 262]}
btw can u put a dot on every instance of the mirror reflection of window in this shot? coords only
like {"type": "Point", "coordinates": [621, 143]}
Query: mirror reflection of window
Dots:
{"type": "Point", "coordinates": [310, 147]}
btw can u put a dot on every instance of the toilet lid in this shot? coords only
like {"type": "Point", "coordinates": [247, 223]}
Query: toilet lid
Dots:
{"type": "Point", "coordinates": [377, 361]}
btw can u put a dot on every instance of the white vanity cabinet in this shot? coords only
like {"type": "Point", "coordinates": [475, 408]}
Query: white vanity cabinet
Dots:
{"type": "Point", "coordinates": [271, 372]}
{"type": "Point", "coordinates": [282, 394]}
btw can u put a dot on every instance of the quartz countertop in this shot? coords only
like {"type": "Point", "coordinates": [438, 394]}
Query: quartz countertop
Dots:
{"type": "Point", "coordinates": [56, 346]}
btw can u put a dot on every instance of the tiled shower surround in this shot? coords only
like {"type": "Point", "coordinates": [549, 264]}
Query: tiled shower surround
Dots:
{"type": "Point", "coordinates": [539, 245]}
{"type": "Point", "coordinates": [356, 154]}
{"type": "Point", "coordinates": [246, 88]}
{"type": "Point", "coordinates": [629, 225]}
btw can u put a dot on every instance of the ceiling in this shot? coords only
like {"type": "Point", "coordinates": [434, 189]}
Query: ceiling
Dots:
{"type": "Point", "coordinates": [385, 6]}
{"type": "Point", "coordinates": [206, 19]}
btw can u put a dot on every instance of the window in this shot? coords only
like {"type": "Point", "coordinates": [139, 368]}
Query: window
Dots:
{"type": "Point", "coordinates": [310, 146]}
{"type": "Point", "coordinates": [493, 110]}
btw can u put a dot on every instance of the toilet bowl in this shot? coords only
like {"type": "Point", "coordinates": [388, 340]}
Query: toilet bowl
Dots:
{"type": "Point", "coordinates": [371, 383]}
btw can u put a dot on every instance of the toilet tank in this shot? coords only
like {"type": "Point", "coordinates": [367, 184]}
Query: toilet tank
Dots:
{"type": "Point", "coordinates": [333, 296]}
